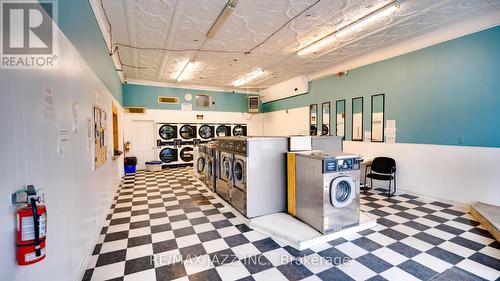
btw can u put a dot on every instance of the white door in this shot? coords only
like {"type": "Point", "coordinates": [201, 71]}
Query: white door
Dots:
{"type": "Point", "coordinates": [143, 142]}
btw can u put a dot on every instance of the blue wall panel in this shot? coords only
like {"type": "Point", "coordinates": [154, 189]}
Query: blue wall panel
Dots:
{"type": "Point", "coordinates": [140, 95]}
{"type": "Point", "coordinates": [76, 19]}
{"type": "Point", "coordinates": [444, 94]}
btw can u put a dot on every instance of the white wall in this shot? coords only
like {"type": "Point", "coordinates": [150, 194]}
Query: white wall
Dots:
{"type": "Point", "coordinates": [254, 121]}
{"type": "Point", "coordinates": [286, 122]}
{"type": "Point", "coordinates": [77, 198]}
{"type": "Point", "coordinates": [452, 173]}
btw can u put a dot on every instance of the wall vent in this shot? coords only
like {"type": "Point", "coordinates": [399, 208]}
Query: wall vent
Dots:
{"type": "Point", "coordinates": [168, 100]}
{"type": "Point", "coordinates": [253, 104]}
{"type": "Point", "coordinates": [135, 110]}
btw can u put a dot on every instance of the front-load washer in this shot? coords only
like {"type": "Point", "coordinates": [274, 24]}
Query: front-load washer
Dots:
{"type": "Point", "coordinates": [239, 188]}
{"type": "Point", "coordinates": [225, 171]}
{"type": "Point", "coordinates": [327, 190]}
{"type": "Point", "coordinates": [199, 161]}
{"type": "Point", "coordinates": [239, 130]}
{"type": "Point", "coordinates": [210, 169]}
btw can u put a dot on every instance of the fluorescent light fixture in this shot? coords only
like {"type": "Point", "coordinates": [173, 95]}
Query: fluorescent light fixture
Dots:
{"type": "Point", "coordinates": [222, 18]}
{"type": "Point", "coordinates": [320, 44]}
{"type": "Point", "coordinates": [187, 70]}
{"type": "Point", "coordinates": [258, 72]}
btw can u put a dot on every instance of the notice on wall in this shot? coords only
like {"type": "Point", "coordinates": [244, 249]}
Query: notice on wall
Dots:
{"type": "Point", "coordinates": [74, 117]}
{"type": "Point", "coordinates": [368, 136]}
{"type": "Point", "coordinates": [187, 106]}
{"type": "Point", "coordinates": [48, 103]}
{"type": "Point", "coordinates": [390, 131]}
{"type": "Point", "coordinates": [62, 141]}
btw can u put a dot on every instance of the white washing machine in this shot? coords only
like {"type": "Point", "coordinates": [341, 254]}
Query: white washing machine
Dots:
{"type": "Point", "coordinates": [327, 190]}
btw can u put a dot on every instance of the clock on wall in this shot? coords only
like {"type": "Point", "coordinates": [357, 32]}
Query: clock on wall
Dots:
{"type": "Point", "coordinates": [188, 97]}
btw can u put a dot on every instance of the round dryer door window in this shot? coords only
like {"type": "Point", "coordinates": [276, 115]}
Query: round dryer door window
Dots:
{"type": "Point", "coordinates": [187, 132]}
{"type": "Point", "coordinates": [168, 155]}
{"type": "Point", "coordinates": [239, 130]}
{"type": "Point", "coordinates": [313, 130]}
{"type": "Point", "coordinates": [226, 165]}
{"type": "Point", "coordinates": [342, 191]}
{"type": "Point", "coordinates": [223, 131]}
{"type": "Point", "coordinates": [205, 132]}
{"type": "Point", "coordinates": [238, 171]}
{"type": "Point", "coordinates": [325, 130]}
{"type": "Point", "coordinates": [200, 164]}
{"type": "Point", "coordinates": [209, 168]}
{"type": "Point", "coordinates": [168, 132]}
{"type": "Point", "coordinates": [186, 154]}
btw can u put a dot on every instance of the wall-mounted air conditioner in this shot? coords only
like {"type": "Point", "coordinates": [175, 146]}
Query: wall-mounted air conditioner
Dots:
{"type": "Point", "coordinates": [289, 88]}
{"type": "Point", "coordinates": [253, 104]}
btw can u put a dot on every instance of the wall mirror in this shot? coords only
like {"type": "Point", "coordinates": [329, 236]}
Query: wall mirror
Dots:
{"type": "Point", "coordinates": [325, 119]}
{"type": "Point", "coordinates": [378, 108]}
{"type": "Point", "coordinates": [340, 118]}
{"type": "Point", "coordinates": [313, 119]}
{"type": "Point", "coordinates": [357, 119]}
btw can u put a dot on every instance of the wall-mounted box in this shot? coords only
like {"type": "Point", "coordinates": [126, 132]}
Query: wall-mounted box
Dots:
{"type": "Point", "coordinates": [289, 88]}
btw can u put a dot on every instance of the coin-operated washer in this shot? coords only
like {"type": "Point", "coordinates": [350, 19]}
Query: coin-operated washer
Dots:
{"type": "Point", "coordinates": [327, 190]}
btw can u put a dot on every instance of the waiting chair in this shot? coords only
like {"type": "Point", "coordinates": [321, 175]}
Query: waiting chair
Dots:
{"type": "Point", "coordinates": [384, 169]}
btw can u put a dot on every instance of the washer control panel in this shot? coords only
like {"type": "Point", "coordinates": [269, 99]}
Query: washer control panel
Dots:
{"type": "Point", "coordinates": [337, 165]}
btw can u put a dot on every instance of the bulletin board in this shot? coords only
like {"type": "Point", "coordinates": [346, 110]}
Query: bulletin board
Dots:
{"type": "Point", "coordinates": [100, 148]}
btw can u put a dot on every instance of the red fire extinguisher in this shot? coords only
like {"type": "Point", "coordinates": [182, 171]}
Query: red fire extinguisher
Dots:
{"type": "Point", "coordinates": [31, 229]}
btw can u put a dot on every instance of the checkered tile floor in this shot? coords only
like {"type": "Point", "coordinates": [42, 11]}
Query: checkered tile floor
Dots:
{"type": "Point", "coordinates": [167, 225]}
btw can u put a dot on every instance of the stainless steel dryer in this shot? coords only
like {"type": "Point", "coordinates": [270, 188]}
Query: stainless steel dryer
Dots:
{"type": "Point", "coordinates": [223, 131]}
{"type": "Point", "coordinates": [167, 132]}
{"type": "Point", "coordinates": [206, 132]}
{"type": "Point", "coordinates": [187, 132]}
{"type": "Point", "coordinates": [327, 190]}
{"type": "Point", "coordinates": [239, 130]}
{"type": "Point", "coordinates": [186, 154]}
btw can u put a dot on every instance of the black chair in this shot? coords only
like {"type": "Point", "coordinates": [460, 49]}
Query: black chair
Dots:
{"type": "Point", "coordinates": [384, 169]}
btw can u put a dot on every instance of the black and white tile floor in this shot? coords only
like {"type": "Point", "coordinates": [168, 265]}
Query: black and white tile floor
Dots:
{"type": "Point", "coordinates": [167, 226]}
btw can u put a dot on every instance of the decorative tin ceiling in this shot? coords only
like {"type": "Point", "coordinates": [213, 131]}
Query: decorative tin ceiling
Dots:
{"type": "Point", "coordinates": [156, 38]}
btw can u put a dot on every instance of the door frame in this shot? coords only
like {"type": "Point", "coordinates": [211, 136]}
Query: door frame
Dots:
{"type": "Point", "coordinates": [155, 148]}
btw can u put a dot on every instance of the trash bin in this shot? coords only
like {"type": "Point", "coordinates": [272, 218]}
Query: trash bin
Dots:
{"type": "Point", "coordinates": [153, 166]}
{"type": "Point", "coordinates": [130, 164]}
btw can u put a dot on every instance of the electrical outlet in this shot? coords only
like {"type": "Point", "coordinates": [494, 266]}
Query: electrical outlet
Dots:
{"type": "Point", "coordinates": [461, 140]}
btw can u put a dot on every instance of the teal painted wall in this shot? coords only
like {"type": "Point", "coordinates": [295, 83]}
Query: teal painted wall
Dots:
{"type": "Point", "coordinates": [444, 94]}
{"type": "Point", "coordinates": [140, 95]}
{"type": "Point", "coordinates": [77, 21]}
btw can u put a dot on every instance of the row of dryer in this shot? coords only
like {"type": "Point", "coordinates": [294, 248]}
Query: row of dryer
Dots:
{"type": "Point", "coordinates": [175, 141]}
